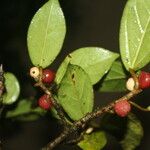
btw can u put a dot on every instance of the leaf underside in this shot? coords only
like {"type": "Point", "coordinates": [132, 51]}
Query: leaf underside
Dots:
{"type": "Point", "coordinates": [75, 93]}
{"type": "Point", "coordinates": [115, 80]}
{"type": "Point", "coordinates": [133, 134]}
{"type": "Point", "coordinates": [24, 111]}
{"type": "Point", "coordinates": [93, 60]}
{"type": "Point", "coordinates": [46, 34]}
{"type": "Point", "coordinates": [135, 34]}
{"type": "Point", "coordinates": [94, 141]}
{"type": "Point", "coordinates": [12, 88]}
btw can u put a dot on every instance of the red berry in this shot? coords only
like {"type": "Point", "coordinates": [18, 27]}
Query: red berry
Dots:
{"type": "Point", "coordinates": [122, 108]}
{"type": "Point", "coordinates": [48, 76]}
{"type": "Point", "coordinates": [144, 80]}
{"type": "Point", "coordinates": [45, 102]}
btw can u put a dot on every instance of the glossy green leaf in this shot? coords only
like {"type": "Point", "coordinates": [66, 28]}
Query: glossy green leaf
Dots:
{"type": "Point", "coordinates": [12, 88]}
{"type": "Point", "coordinates": [135, 34]}
{"type": "Point", "coordinates": [46, 34]}
{"type": "Point", "coordinates": [94, 141]}
{"type": "Point", "coordinates": [24, 111]}
{"type": "Point", "coordinates": [75, 93]}
{"type": "Point", "coordinates": [115, 80]}
{"type": "Point", "coordinates": [62, 70]}
{"type": "Point", "coordinates": [95, 61]}
{"type": "Point", "coordinates": [133, 134]}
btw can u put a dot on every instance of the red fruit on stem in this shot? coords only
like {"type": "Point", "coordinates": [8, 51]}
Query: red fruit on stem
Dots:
{"type": "Point", "coordinates": [45, 102]}
{"type": "Point", "coordinates": [48, 76]}
{"type": "Point", "coordinates": [122, 108]}
{"type": "Point", "coordinates": [144, 80]}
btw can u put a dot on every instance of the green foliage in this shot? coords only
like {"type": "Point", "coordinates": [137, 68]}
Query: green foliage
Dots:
{"type": "Point", "coordinates": [24, 111]}
{"type": "Point", "coordinates": [135, 34]}
{"type": "Point", "coordinates": [95, 61]}
{"type": "Point", "coordinates": [75, 93]}
{"type": "Point", "coordinates": [115, 80]}
{"type": "Point", "coordinates": [133, 134]}
{"type": "Point", "coordinates": [12, 89]}
{"type": "Point", "coordinates": [85, 67]}
{"type": "Point", "coordinates": [94, 141]}
{"type": "Point", "coordinates": [46, 34]}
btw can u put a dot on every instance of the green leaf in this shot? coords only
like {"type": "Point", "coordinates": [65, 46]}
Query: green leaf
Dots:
{"type": "Point", "coordinates": [24, 111]}
{"type": "Point", "coordinates": [12, 88]}
{"type": "Point", "coordinates": [46, 34]}
{"type": "Point", "coordinates": [115, 80]}
{"type": "Point", "coordinates": [75, 93]}
{"type": "Point", "coordinates": [133, 134]}
{"type": "Point", "coordinates": [62, 70]}
{"type": "Point", "coordinates": [135, 34]}
{"type": "Point", "coordinates": [23, 107]}
{"type": "Point", "coordinates": [95, 61]}
{"type": "Point", "coordinates": [28, 117]}
{"type": "Point", "coordinates": [94, 141]}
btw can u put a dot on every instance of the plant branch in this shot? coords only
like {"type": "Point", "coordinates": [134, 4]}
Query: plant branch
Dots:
{"type": "Point", "coordinates": [78, 124]}
{"type": "Point", "coordinates": [56, 105]}
{"type": "Point", "coordinates": [139, 107]}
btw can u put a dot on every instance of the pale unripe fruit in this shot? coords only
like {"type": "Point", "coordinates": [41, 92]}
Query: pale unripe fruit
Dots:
{"type": "Point", "coordinates": [130, 84]}
{"type": "Point", "coordinates": [34, 72]}
{"type": "Point", "coordinates": [89, 130]}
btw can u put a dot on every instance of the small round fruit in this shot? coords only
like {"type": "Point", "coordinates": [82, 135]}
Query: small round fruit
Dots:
{"type": "Point", "coordinates": [34, 72]}
{"type": "Point", "coordinates": [45, 102]}
{"type": "Point", "coordinates": [89, 130]}
{"type": "Point", "coordinates": [144, 80]}
{"type": "Point", "coordinates": [130, 84]}
{"type": "Point", "coordinates": [48, 76]}
{"type": "Point", "coordinates": [122, 108]}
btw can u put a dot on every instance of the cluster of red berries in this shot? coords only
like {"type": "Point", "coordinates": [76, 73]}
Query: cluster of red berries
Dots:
{"type": "Point", "coordinates": [123, 107]}
{"type": "Point", "coordinates": [48, 77]}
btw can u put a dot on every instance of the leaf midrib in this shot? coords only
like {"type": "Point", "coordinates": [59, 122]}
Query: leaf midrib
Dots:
{"type": "Point", "coordinates": [141, 42]}
{"type": "Point", "coordinates": [45, 38]}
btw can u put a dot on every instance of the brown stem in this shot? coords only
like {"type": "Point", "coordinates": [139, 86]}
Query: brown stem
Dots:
{"type": "Point", "coordinates": [135, 78]}
{"type": "Point", "coordinates": [139, 107]}
{"type": "Point", "coordinates": [56, 105]}
{"type": "Point", "coordinates": [78, 124]}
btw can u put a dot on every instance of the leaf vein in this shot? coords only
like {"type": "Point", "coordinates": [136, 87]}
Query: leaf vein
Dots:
{"type": "Point", "coordinates": [141, 42]}
{"type": "Point", "coordinates": [46, 31]}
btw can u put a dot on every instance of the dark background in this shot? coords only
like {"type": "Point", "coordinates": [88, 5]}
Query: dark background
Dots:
{"type": "Point", "coordinates": [89, 23]}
